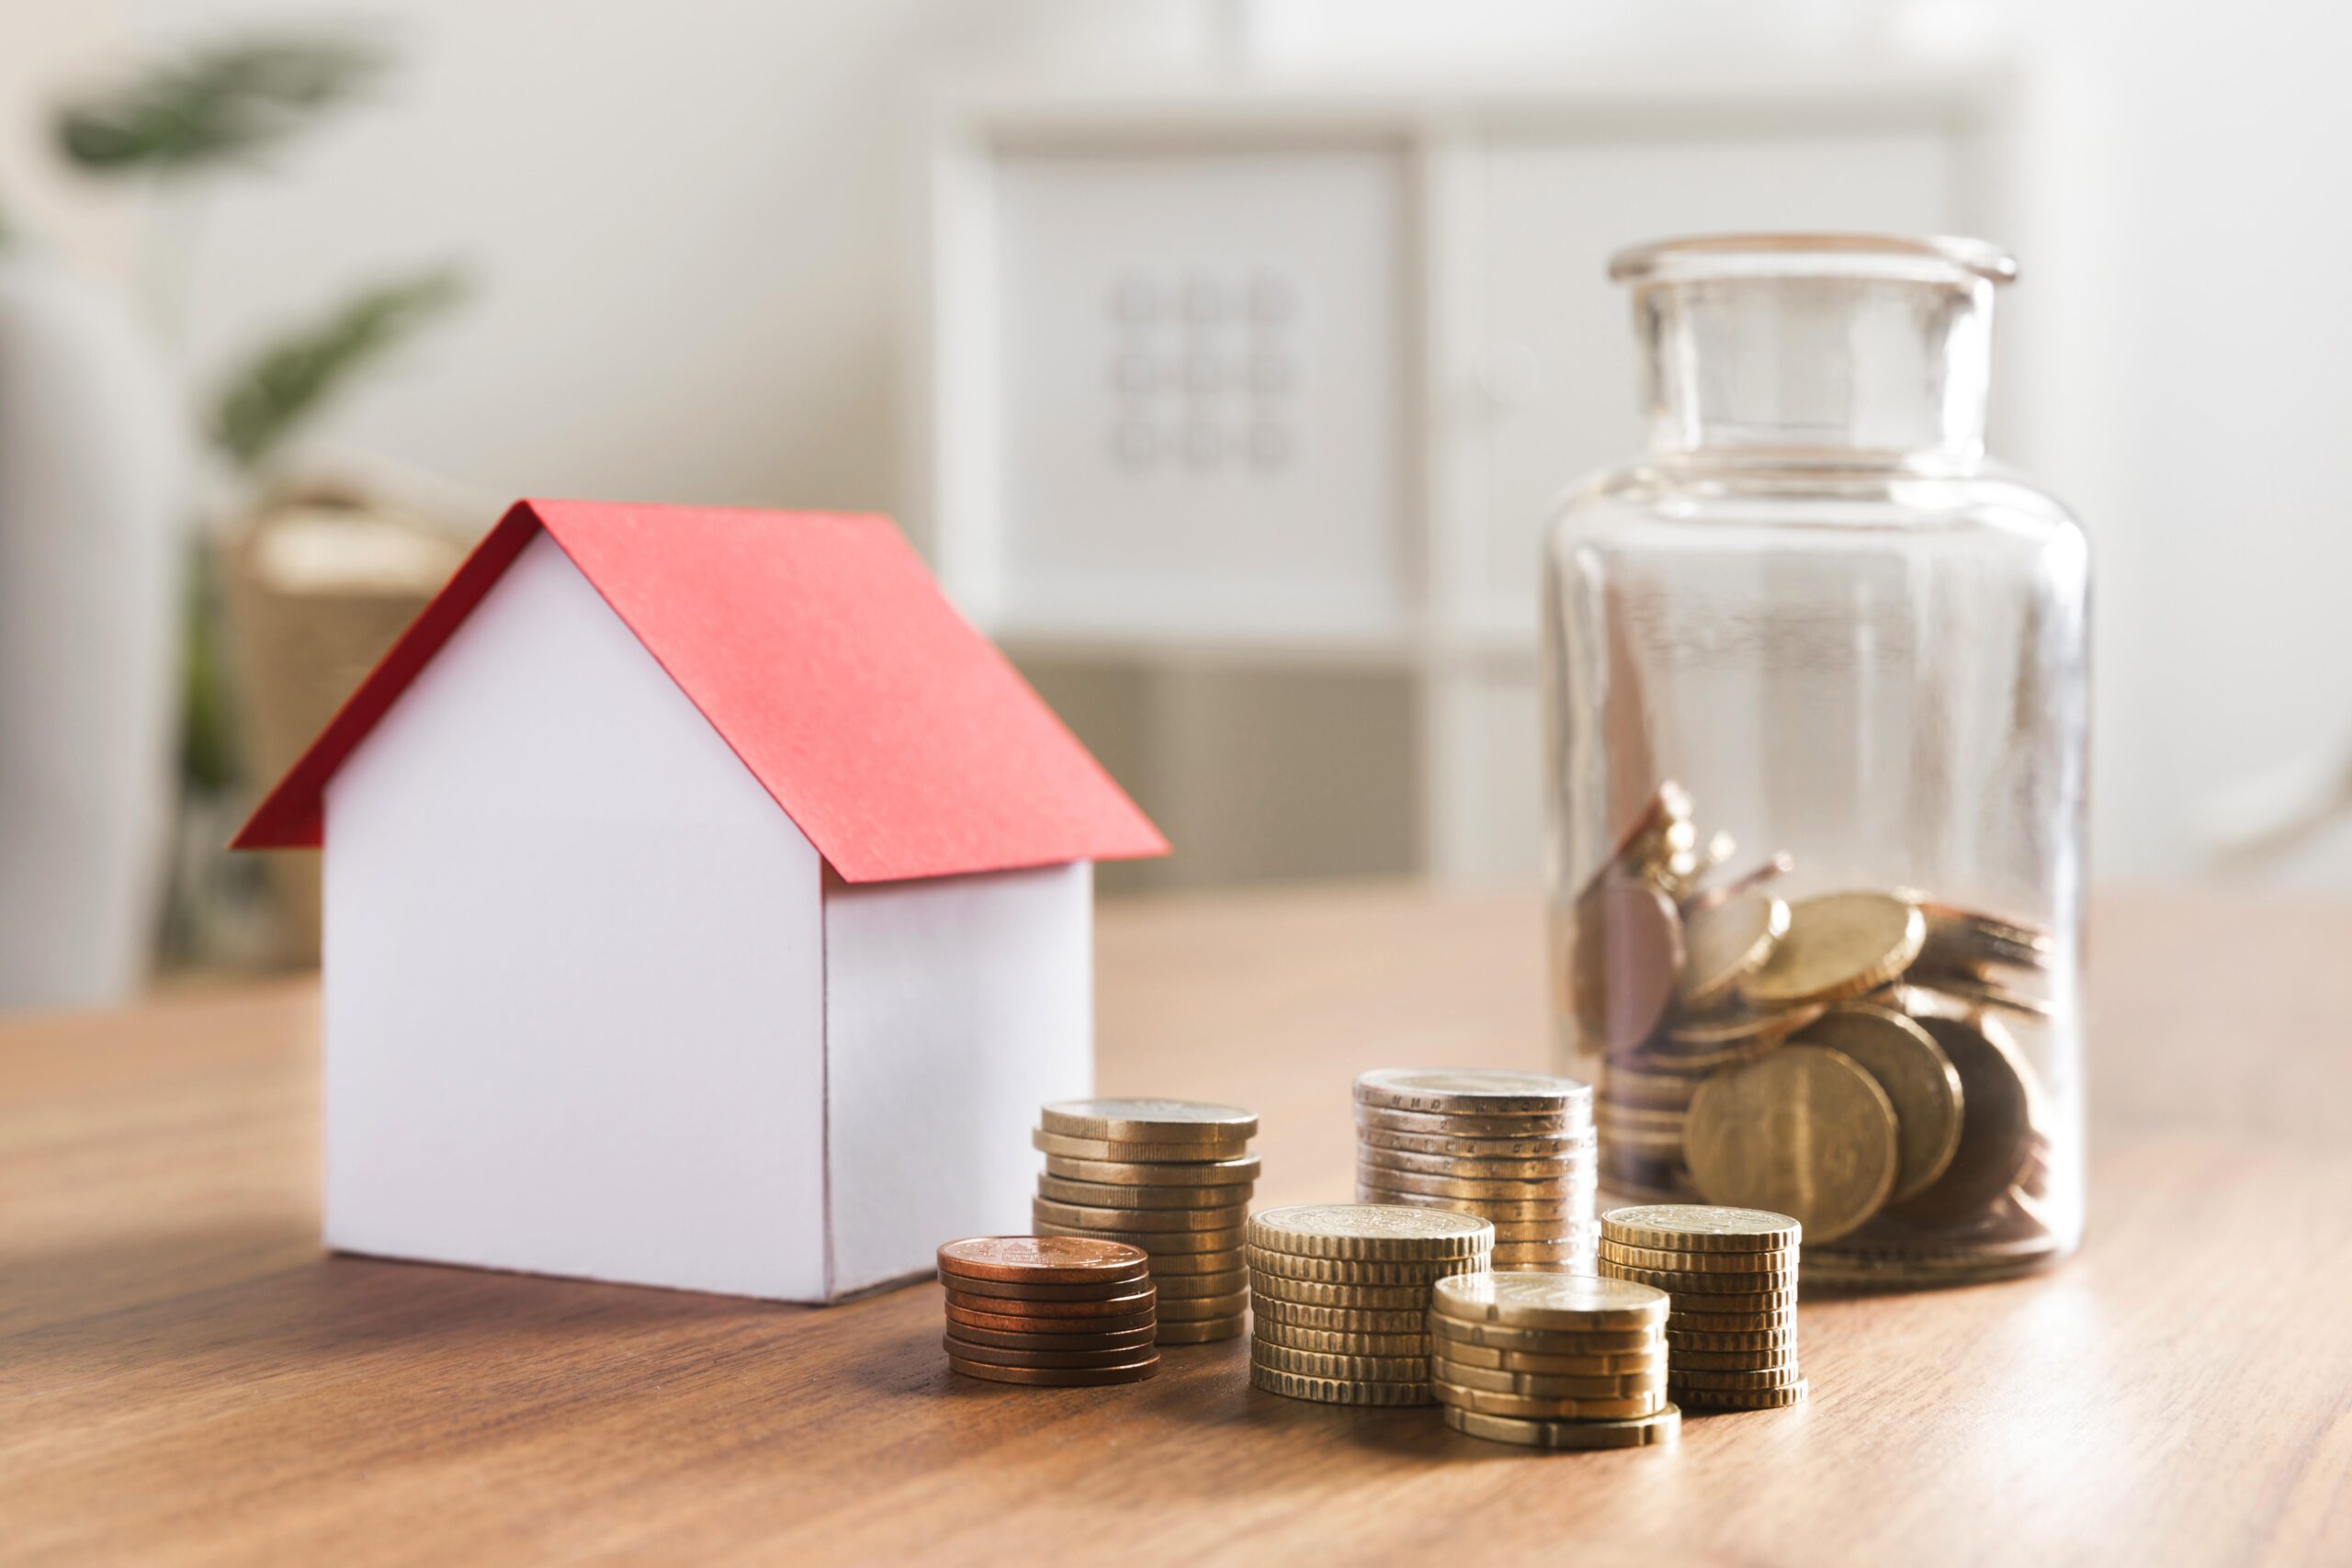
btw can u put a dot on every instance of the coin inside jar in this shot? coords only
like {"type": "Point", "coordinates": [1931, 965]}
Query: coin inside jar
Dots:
{"type": "Point", "coordinates": [1997, 1130]}
{"type": "Point", "coordinates": [1917, 1076]}
{"type": "Point", "coordinates": [1724, 943]}
{"type": "Point", "coordinates": [1801, 1131]}
{"type": "Point", "coordinates": [1839, 945]}
{"type": "Point", "coordinates": [1628, 951]}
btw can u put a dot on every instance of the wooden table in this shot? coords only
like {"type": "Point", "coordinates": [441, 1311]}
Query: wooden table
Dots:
{"type": "Point", "coordinates": [184, 1378]}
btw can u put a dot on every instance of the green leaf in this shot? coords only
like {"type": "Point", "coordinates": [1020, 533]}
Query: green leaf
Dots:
{"type": "Point", "coordinates": [226, 102]}
{"type": "Point", "coordinates": [290, 378]}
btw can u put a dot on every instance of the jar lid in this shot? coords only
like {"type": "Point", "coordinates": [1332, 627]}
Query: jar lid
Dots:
{"type": "Point", "coordinates": [1925, 257]}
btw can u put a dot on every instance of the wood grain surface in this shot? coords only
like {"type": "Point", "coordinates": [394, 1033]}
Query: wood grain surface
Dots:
{"type": "Point", "coordinates": [184, 1378]}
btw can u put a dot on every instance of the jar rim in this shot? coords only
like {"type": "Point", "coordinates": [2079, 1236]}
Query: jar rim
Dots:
{"type": "Point", "coordinates": [1926, 257]}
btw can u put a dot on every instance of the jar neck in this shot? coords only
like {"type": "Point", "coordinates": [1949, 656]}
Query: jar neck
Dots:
{"type": "Point", "coordinates": [1817, 369]}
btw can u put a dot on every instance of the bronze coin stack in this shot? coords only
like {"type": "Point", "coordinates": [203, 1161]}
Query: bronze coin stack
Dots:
{"type": "Point", "coordinates": [1340, 1294]}
{"type": "Point", "coordinates": [1551, 1360]}
{"type": "Point", "coordinates": [1061, 1311]}
{"type": "Point", "coordinates": [1512, 1148]}
{"type": "Point", "coordinates": [1171, 1177]}
{"type": "Point", "coordinates": [1732, 1276]}
{"type": "Point", "coordinates": [1886, 1022]}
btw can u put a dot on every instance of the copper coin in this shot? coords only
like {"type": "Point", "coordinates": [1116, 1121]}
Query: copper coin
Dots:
{"type": "Point", "coordinates": [1020, 1290]}
{"type": "Point", "coordinates": [1058, 1377]}
{"type": "Point", "coordinates": [1133, 1340]}
{"type": "Point", "coordinates": [1010, 1323]}
{"type": "Point", "coordinates": [1628, 951]}
{"type": "Point", "coordinates": [1100, 1306]}
{"type": "Point", "coordinates": [1997, 1121]}
{"type": "Point", "coordinates": [1001, 1356]}
{"type": "Point", "coordinates": [1918, 1078]}
{"type": "Point", "coordinates": [1043, 1260]}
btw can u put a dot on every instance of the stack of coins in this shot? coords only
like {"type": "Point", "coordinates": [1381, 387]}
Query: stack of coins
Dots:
{"type": "Point", "coordinates": [1552, 1361]}
{"type": "Point", "coordinates": [1515, 1148]}
{"type": "Point", "coordinates": [1732, 1274]}
{"type": "Point", "coordinates": [1898, 1028]}
{"type": "Point", "coordinates": [1171, 1177]}
{"type": "Point", "coordinates": [1341, 1297]}
{"type": "Point", "coordinates": [1056, 1310]}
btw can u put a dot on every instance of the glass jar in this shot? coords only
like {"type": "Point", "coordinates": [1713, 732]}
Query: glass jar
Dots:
{"type": "Point", "coordinates": [1815, 683]}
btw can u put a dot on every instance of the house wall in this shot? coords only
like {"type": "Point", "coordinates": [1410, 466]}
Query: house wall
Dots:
{"type": "Point", "coordinates": [575, 971]}
{"type": "Point", "coordinates": [955, 1007]}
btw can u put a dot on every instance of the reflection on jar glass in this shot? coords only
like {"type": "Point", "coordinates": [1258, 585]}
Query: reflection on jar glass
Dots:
{"type": "Point", "coordinates": [1814, 678]}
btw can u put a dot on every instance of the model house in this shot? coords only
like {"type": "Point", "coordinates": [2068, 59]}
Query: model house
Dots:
{"type": "Point", "coordinates": [707, 904]}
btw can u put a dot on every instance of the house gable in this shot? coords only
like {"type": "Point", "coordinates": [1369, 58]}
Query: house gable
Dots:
{"type": "Point", "coordinates": [574, 970]}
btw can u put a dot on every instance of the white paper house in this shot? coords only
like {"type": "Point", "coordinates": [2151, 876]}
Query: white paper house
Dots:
{"type": "Point", "coordinates": [707, 904]}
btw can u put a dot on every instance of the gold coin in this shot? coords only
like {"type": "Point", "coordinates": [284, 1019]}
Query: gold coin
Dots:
{"type": "Point", "coordinates": [1918, 1078]}
{"type": "Point", "coordinates": [1747, 1398]}
{"type": "Point", "coordinates": [1342, 1319]}
{"type": "Point", "coordinates": [1352, 1271]}
{"type": "Point", "coordinates": [1771, 870]}
{"type": "Point", "coordinates": [1575, 1301]}
{"type": "Point", "coordinates": [1326, 1342]}
{"type": "Point", "coordinates": [1726, 943]}
{"type": "Point", "coordinates": [1332, 1391]}
{"type": "Point", "coordinates": [1771, 1360]}
{"type": "Point", "coordinates": [1682, 1339]}
{"type": "Point", "coordinates": [1096, 1148]}
{"type": "Point", "coordinates": [1149, 1121]}
{"type": "Point", "coordinates": [1510, 1232]}
{"type": "Point", "coordinates": [1546, 1341]}
{"type": "Point", "coordinates": [1700, 1262]}
{"type": "Point", "coordinates": [1769, 1320]}
{"type": "Point", "coordinates": [1107, 1195]}
{"type": "Point", "coordinates": [1642, 843]}
{"type": "Point", "coordinates": [1479, 1092]}
{"type": "Point", "coordinates": [1734, 1032]}
{"type": "Point", "coordinates": [1183, 1173]}
{"type": "Point", "coordinates": [1192, 1309]}
{"type": "Point", "coordinates": [1992, 993]}
{"type": "Point", "coordinates": [1500, 1189]}
{"type": "Point", "coordinates": [1448, 1125]}
{"type": "Point", "coordinates": [1700, 1227]}
{"type": "Point", "coordinates": [1486, 1402]}
{"type": "Point", "coordinates": [1560, 1208]}
{"type": "Point", "coordinates": [1540, 1256]}
{"type": "Point", "coordinates": [1662, 1425]}
{"type": "Point", "coordinates": [1550, 1385]}
{"type": "Point", "coordinates": [1628, 949]}
{"type": "Point", "coordinates": [1839, 945]}
{"type": "Point", "coordinates": [1139, 1219]}
{"type": "Point", "coordinates": [1373, 1232]}
{"type": "Point", "coordinates": [1716, 1305]}
{"type": "Point", "coordinates": [1160, 1244]}
{"type": "Point", "coordinates": [1770, 1376]}
{"type": "Point", "coordinates": [1540, 1146]}
{"type": "Point", "coordinates": [1167, 1264]}
{"type": "Point", "coordinates": [1997, 1117]}
{"type": "Point", "coordinates": [1611, 1118]}
{"type": "Point", "coordinates": [1208, 1332]}
{"type": "Point", "coordinates": [1345, 1368]}
{"type": "Point", "coordinates": [1314, 1292]}
{"type": "Point", "coordinates": [1801, 1131]}
{"type": "Point", "coordinates": [1458, 1353]}
{"type": "Point", "coordinates": [1622, 1088]}
{"type": "Point", "coordinates": [1704, 1282]}
{"type": "Point", "coordinates": [1558, 1170]}
{"type": "Point", "coordinates": [1960, 941]}
{"type": "Point", "coordinates": [1190, 1286]}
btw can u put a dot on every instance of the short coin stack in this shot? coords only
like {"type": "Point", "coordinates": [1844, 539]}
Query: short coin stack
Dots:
{"type": "Point", "coordinates": [1515, 1148]}
{"type": "Point", "coordinates": [1733, 1277]}
{"type": "Point", "coordinates": [1056, 1310]}
{"type": "Point", "coordinates": [1552, 1361]}
{"type": "Point", "coordinates": [1172, 1176]}
{"type": "Point", "coordinates": [1341, 1296]}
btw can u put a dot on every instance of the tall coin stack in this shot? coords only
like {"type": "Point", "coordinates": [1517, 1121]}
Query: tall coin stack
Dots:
{"type": "Point", "coordinates": [1732, 1273]}
{"type": "Point", "coordinates": [1054, 1310]}
{"type": "Point", "coordinates": [1171, 1177]}
{"type": "Point", "coordinates": [1552, 1361]}
{"type": "Point", "coordinates": [1515, 1148]}
{"type": "Point", "coordinates": [1341, 1297]}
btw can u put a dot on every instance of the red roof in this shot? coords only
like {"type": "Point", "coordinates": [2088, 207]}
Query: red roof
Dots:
{"type": "Point", "coordinates": [891, 733]}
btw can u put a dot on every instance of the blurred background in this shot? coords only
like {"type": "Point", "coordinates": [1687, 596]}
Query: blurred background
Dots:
{"type": "Point", "coordinates": [1223, 358]}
